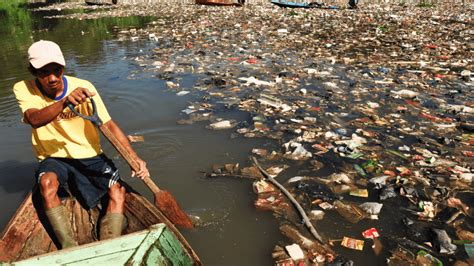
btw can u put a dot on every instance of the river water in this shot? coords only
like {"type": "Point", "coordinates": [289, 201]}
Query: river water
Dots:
{"type": "Point", "coordinates": [137, 97]}
{"type": "Point", "coordinates": [234, 233]}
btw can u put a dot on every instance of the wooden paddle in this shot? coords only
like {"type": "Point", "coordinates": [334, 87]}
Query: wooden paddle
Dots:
{"type": "Point", "coordinates": [164, 201]}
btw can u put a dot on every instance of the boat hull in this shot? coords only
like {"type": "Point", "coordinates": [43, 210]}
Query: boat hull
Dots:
{"type": "Point", "coordinates": [290, 4]}
{"type": "Point", "coordinates": [154, 246]}
{"type": "Point", "coordinates": [217, 3]}
{"type": "Point", "coordinates": [28, 234]}
{"type": "Point", "coordinates": [101, 2]}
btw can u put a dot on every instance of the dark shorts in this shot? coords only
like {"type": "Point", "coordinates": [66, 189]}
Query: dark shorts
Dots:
{"type": "Point", "coordinates": [91, 178]}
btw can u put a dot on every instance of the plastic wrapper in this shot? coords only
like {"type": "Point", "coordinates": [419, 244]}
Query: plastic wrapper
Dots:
{"type": "Point", "coordinates": [352, 243]}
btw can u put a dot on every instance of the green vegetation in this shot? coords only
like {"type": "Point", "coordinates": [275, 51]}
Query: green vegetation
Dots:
{"type": "Point", "coordinates": [383, 28]}
{"type": "Point", "coordinates": [80, 40]}
{"type": "Point", "coordinates": [13, 15]}
{"type": "Point", "coordinates": [11, 4]}
{"type": "Point", "coordinates": [16, 24]}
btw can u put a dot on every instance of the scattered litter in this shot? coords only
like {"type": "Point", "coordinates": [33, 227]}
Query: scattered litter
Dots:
{"type": "Point", "coordinates": [325, 206]}
{"type": "Point", "coordinates": [444, 242]}
{"type": "Point", "coordinates": [295, 252]}
{"type": "Point", "coordinates": [424, 258]}
{"type": "Point", "coordinates": [262, 186]}
{"type": "Point", "coordinates": [373, 104]}
{"type": "Point", "coordinates": [182, 93]}
{"type": "Point", "coordinates": [225, 124]}
{"type": "Point", "coordinates": [370, 233]}
{"type": "Point", "coordinates": [363, 193]}
{"type": "Point", "coordinates": [135, 138]}
{"type": "Point", "coordinates": [253, 81]}
{"type": "Point", "coordinates": [349, 211]}
{"type": "Point", "coordinates": [352, 243]}
{"type": "Point", "coordinates": [316, 215]}
{"type": "Point", "coordinates": [372, 208]}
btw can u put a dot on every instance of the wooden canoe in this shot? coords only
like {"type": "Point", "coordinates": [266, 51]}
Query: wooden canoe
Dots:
{"type": "Point", "coordinates": [27, 239]}
{"type": "Point", "coordinates": [290, 4]}
{"type": "Point", "coordinates": [101, 2]}
{"type": "Point", "coordinates": [154, 246]}
{"type": "Point", "coordinates": [219, 2]}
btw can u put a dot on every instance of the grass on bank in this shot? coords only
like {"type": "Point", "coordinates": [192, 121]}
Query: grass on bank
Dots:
{"type": "Point", "coordinates": [9, 4]}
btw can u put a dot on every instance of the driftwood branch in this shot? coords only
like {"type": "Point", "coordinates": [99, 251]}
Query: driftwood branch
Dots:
{"type": "Point", "coordinates": [306, 220]}
{"type": "Point", "coordinates": [213, 175]}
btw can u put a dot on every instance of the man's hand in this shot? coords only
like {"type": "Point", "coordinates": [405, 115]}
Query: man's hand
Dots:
{"type": "Point", "coordinates": [40, 117]}
{"type": "Point", "coordinates": [143, 172]}
{"type": "Point", "coordinates": [120, 137]}
{"type": "Point", "coordinates": [79, 95]}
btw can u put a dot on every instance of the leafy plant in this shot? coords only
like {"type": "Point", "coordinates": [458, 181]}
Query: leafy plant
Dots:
{"type": "Point", "coordinates": [10, 4]}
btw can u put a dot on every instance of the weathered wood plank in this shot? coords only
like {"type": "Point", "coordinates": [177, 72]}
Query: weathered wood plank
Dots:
{"type": "Point", "coordinates": [155, 233]}
{"type": "Point", "coordinates": [101, 2]}
{"type": "Point", "coordinates": [133, 223]}
{"type": "Point", "coordinates": [172, 249]}
{"type": "Point", "coordinates": [83, 226]}
{"type": "Point", "coordinates": [121, 247]}
{"type": "Point", "coordinates": [18, 230]}
{"type": "Point", "coordinates": [38, 243]}
{"type": "Point", "coordinates": [154, 212]}
{"type": "Point", "coordinates": [114, 259]}
{"type": "Point", "coordinates": [154, 257]}
{"type": "Point", "coordinates": [25, 236]}
{"type": "Point", "coordinates": [138, 207]}
{"type": "Point", "coordinates": [69, 204]}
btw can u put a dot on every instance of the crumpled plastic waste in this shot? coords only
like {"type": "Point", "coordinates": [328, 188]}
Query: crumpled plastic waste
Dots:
{"type": "Point", "coordinates": [428, 209]}
{"type": "Point", "coordinates": [350, 212]}
{"type": "Point", "coordinates": [296, 151]}
{"type": "Point", "coordinates": [352, 243]}
{"type": "Point", "coordinates": [372, 208]}
{"type": "Point", "coordinates": [262, 186]}
{"type": "Point", "coordinates": [372, 100]}
{"type": "Point", "coordinates": [444, 242]}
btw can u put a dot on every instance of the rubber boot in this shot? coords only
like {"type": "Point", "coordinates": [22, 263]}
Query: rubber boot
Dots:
{"type": "Point", "coordinates": [111, 225]}
{"type": "Point", "coordinates": [61, 226]}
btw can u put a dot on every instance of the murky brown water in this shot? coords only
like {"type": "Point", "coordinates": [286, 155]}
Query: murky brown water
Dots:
{"type": "Point", "coordinates": [235, 233]}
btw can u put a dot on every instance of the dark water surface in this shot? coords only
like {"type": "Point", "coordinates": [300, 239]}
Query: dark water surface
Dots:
{"type": "Point", "coordinates": [236, 234]}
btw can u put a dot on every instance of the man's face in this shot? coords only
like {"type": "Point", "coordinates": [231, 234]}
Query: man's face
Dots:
{"type": "Point", "coordinates": [50, 77]}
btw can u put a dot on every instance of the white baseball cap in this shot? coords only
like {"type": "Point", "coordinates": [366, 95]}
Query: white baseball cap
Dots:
{"type": "Point", "coordinates": [43, 52]}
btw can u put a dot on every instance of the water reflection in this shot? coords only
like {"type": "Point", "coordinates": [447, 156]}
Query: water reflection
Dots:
{"type": "Point", "coordinates": [81, 42]}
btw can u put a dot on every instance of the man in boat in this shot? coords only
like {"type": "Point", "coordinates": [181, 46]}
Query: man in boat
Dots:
{"type": "Point", "coordinates": [353, 4]}
{"type": "Point", "coordinates": [67, 146]}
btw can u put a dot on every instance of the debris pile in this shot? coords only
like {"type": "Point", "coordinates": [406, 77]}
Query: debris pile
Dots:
{"type": "Point", "coordinates": [371, 108]}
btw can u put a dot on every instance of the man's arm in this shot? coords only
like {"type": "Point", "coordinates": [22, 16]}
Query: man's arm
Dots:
{"type": "Point", "coordinates": [40, 117]}
{"type": "Point", "coordinates": [120, 136]}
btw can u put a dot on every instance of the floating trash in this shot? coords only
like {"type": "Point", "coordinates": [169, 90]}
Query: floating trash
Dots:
{"type": "Point", "coordinates": [371, 105]}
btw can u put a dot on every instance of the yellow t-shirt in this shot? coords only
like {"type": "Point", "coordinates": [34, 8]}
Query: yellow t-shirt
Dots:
{"type": "Point", "coordinates": [67, 136]}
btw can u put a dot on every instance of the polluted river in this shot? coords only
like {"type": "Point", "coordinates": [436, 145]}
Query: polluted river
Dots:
{"type": "Point", "coordinates": [289, 136]}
